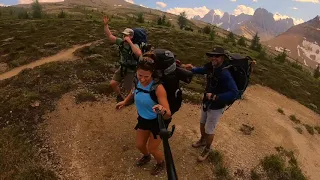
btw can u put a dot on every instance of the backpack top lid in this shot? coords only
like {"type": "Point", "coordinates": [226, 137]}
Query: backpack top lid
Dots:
{"type": "Point", "coordinates": [139, 36]}
{"type": "Point", "coordinates": [165, 61]}
{"type": "Point", "coordinates": [240, 60]}
{"type": "Point", "coordinates": [240, 69]}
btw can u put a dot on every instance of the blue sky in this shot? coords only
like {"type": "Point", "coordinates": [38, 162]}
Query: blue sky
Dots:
{"type": "Point", "coordinates": [300, 10]}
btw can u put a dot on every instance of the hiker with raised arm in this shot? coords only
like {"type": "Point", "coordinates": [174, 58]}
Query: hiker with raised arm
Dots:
{"type": "Point", "coordinates": [220, 90]}
{"type": "Point", "coordinates": [130, 53]}
{"type": "Point", "coordinates": [147, 134]}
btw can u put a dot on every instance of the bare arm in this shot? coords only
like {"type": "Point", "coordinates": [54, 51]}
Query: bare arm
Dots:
{"type": "Point", "coordinates": [121, 104]}
{"type": "Point", "coordinates": [111, 37]}
{"type": "Point", "coordinates": [163, 101]}
{"type": "Point", "coordinates": [129, 97]}
{"type": "Point", "coordinates": [134, 48]}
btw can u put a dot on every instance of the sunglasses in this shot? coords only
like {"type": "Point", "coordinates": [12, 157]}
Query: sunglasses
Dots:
{"type": "Point", "coordinates": [215, 55]}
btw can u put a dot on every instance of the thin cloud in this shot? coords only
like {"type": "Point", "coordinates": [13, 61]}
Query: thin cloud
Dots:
{"type": "Point", "coordinates": [161, 4]}
{"type": "Point", "coordinates": [243, 9]}
{"type": "Point", "coordinates": [129, 1]}
{"type": "Point", "coordinates": [190, 12]}
{"type": "Point", "coordinates": [308, 1]}
{"type": "Point", "coordinates": [296, 21]}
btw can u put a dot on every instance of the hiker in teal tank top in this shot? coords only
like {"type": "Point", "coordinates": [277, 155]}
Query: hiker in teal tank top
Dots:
{"type": "Point", "coordinates": [147, 136]}
{"type": "Point", "coordinates": [144, 103]}
{"type": "Point", "coordinates": [127, 61]}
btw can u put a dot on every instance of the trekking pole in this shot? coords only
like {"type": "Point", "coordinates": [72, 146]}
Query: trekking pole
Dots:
{"type": "Point", "coordinates": [165, 135]}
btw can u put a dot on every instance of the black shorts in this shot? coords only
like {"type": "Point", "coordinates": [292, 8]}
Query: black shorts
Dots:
{"type": "Point", "coordinates": [151, 125]}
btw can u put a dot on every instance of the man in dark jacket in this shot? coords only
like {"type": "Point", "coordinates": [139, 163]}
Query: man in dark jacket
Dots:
{"type": "Point", "coordinates": [220, 90]}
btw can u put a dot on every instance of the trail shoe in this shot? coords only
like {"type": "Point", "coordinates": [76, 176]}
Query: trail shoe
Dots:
{"type": "Point", "coordinates": [158, 168]}
{"type": "Point", "coordinates": [144, 160]}
{"type": "Point", "coordinates": [119, 98]}
{"type": "Point", "coordinates": [204, 155]}
{"type": "Point", "coordinates": [199, 143]}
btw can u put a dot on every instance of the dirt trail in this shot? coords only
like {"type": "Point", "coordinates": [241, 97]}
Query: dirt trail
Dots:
{"type": "Point", "coordinates": [94, 141]}
{"type": "Point", "coordinates": [65, 55]}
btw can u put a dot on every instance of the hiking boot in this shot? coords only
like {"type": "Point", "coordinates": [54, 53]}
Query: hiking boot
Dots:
{"type": "Point", "coordinates": [144, 160]}
{"type": "Point", "coordinates": [119, 98]}
{"type": "Point", "coordinates": [158, 168]}
{"type": "Point", "coordinates": [199, 143]}
{"type": "Point", "coordinates": [203, 156]}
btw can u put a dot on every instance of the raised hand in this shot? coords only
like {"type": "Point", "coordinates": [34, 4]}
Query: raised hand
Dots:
{"type": "Point", "coordinates": [106, 20]}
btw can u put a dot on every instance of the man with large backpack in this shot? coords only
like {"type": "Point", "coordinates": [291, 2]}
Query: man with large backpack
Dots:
{"type": "Point", "coordinates": [130, 53]}
{"type": "Point", "coordinates": [221, 90]}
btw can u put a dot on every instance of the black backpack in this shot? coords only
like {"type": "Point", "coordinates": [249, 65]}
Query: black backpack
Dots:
{"type": "Point", "coordinates": [170, 75]}
{"type": "Point", "coordinates": [240, 68]}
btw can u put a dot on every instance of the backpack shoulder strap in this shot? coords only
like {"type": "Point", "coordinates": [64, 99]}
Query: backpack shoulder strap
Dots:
{"type": "Point", "coordinates": [227, 67]}
{"type": "Point", "coordinates": [121, 47]}
{"type": "Point", "coordinates": [135, 82]}
{"type": "Point", "coordinates": [153, 90]}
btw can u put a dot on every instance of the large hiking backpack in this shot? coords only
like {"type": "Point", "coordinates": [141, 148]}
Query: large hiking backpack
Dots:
{"type": "Point", "coordinates": [140, 37]}
{"type": "Point", "coordinates": [169, 75]}
{"type": "Point", "coordinates": [240, 68]}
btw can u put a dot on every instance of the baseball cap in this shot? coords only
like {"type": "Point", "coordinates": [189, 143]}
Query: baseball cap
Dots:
{"type": "Point", "coordinates": [128, 31]}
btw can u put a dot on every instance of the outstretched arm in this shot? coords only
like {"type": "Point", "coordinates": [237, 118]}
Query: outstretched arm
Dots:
{"type": "Point", "coordinates": [195, 70]}
{"type": "Point", "coordinates": [111, 37]}
{"type": "Point", "coordinates": [121, 104]}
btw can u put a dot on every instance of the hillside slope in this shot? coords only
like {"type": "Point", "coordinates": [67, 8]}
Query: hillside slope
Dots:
{"type": "Point", "coordinates": [302, 40]}
{"type": "Point", "coordinates": [95, 141]}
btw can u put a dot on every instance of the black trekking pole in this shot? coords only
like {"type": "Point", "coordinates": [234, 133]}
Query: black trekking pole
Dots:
{"type": "Point", "coordinates": [165, 135]}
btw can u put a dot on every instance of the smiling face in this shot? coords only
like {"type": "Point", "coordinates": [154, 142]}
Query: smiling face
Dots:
{"type": "Point", "coordinates": [144, 76]}
{"type": "Point", "coordinates": [216, 60]}
{"type": "Point", "coordinates": [145, 71]}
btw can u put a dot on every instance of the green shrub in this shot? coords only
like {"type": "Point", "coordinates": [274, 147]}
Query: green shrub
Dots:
{"type": "Point", "coordinates": [85, 96]}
